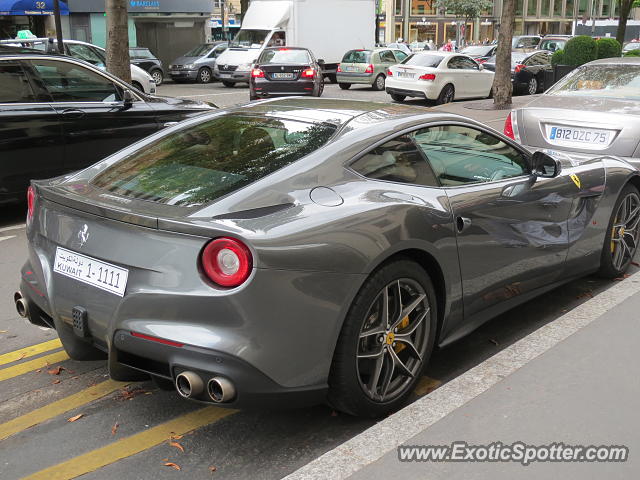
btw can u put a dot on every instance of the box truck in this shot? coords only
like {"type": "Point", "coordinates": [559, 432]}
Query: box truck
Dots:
{"type": "Point", "coordinates": [328, 28]}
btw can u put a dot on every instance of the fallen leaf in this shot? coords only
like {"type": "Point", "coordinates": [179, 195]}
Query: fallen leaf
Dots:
{"type": "Point", "coordinates": [77, 417]}
{"type": "Point", "coordinates": [114, 429]}
{"type": "Point", "coordinates": [176, 437]}
{"type": "Point", "coordinates": [165, 459]}
{"type": "Point", "coordinates": [55, 371]}
{"type": "Point", "coordinates": [24, 354]}
{"type": "Point", "coordinates": [177, 445]}
{"type": "Point", "coordinates": [56, 381]}
{"type": "Point", "coordinates": [585, 294]}
{"type": "Point", "coordinates": [172, 465]}
{"type": "Point", "coordinates": [39, 370]}
{"type": "Point", "coordinates": [212, 468]}
{"type": "Point", "coordinates": [130, 393]}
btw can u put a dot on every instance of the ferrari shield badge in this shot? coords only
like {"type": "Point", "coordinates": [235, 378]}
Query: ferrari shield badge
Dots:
{"type": "Point", "coordinates": [575, 179]}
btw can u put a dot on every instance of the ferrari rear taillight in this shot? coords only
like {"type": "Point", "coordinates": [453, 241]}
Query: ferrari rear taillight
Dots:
{"type": "Point", "coordinates": [428, 76]}
{"type": "Point", "coordinates": [308, 73]}
{"type": "Point", "coordinates": [257, 73]}
{"type": "Point", "coordinates": [508, 128]}
{"type": "Point", "coordinates": [369, 69]}
{"type": "Point", "coordinates": [31, 202]}
{"type": "Point", "coordinates": [227, 261]}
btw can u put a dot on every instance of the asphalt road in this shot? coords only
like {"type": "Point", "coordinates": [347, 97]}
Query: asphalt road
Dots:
{"type": "Point", "coordinates": [125, 432]}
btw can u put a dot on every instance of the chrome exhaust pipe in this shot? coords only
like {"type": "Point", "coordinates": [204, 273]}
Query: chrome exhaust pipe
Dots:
{"type": "Point", "coordinates": [189, 384]}
{"type": "Point", "coordinates": [21, 305]}
{"type": "Point", "coordinates": [221, 390]}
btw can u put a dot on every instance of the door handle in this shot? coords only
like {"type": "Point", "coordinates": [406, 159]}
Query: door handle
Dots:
{"type": "Point", "coordinates": [73, 113]}
{"type": "Point", "coordinates": [462, 223]}
{"type": "Point", "coordinates": [170, 124]}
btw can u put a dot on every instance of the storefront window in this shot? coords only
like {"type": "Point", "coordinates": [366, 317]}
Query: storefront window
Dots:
{"type": "Point", "coordinates": [519, 7]}
{"type": "Point", "coordinates": [557, 8]}
{"type": "Point", "coordinates": [606, 8]}
{"type": "Point", "coordinates": [532, 8]}
{"type": "Point", "coordinates": [423, 33]}
{"type": "Point", "coordinates": [423, 7]}
{"type": "Point", "coordinates": [545, 11]}
{"type": "Point", "coordinates": [582, 7]}
{"type": "Point", "coordinates": [569, 8]}
{"type": "Point", "coordinates": [399, 7]}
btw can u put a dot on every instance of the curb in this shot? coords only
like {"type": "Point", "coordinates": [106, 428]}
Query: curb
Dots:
{"type": "Point", "coordinates": [376, 441]}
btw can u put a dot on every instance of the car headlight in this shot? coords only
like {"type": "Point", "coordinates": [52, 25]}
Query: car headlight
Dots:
{"type": "Point", "coordinates": [171, 67]}
{"type": "Point", "coordinates": [244, 67]}
{"type": "Point", "coordinates": [191, 66]}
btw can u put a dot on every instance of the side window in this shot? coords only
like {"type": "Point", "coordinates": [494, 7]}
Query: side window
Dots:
{"type": "Point", "coordinates": [214, 53]}
{"type": "Point", "coordinates": [68, 82]}
{"type": "Point", "coordinates": [387, 57]}
{"type": "Point", "coordinates": [14, 85]}
{"type": "Point", "coordinates": [468, 64]}
{"type": "Point", "coordinates": [84, 53]}
{"type": "Point", "coordinates": [398, 160]}
{"type": "Point", "coordinates": [456, 63]}
{"type": "Point", "coordinates": [462, 155]}
{"type": "Point", "coordinates": [400, 56]}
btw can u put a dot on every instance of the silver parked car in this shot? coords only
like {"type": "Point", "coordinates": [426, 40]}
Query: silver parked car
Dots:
{"type": "Point", "coordinates": [307, 250]}
{"type": "Point", "coordinates": [198, 64]}
{"type": "Point", "coordinates": [595, 110]}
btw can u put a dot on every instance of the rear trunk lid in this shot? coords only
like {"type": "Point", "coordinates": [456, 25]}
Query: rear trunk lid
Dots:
{"type": "Point", "coordinates": [283, 72]}
{"type": "Point", "coordinates": [589, 125]}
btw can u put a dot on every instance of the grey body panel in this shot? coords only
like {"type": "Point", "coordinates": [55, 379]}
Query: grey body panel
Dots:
{"type": "Point", "coordinates": [316, 230]}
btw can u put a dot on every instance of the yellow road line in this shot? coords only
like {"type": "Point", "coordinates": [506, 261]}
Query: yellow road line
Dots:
{"type": "Point", "coordinates": [426, 385]}
{"type": "Point", "coordinates": [30, 351]}
{"type": "Point", "coordinates": [128, 446]}
{"type": "Point", "coordinates": [59, 407]}
{"type": "Point", "coordinates": [31, 365]}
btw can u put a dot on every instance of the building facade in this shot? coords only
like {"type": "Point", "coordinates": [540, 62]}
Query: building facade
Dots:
{"type": "Point", "coordinates": [33, 15]}
{"type": "Point", "coordinates": [225, 19]}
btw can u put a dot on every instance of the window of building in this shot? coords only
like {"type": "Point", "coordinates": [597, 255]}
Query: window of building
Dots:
{"type": "Point", "coordinates": [532, 8]}
{"type": "Point", "coordinates": [557, 8]}
{"type": "Point", "coordinates": [545, 9]}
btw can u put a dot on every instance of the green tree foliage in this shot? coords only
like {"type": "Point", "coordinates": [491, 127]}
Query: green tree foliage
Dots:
{"type": "Point", "coordinates": [466, 9]}
{"type": "Point", "coordinates": [608, 48]}
{"type": "Point", "coordinates": [580, 50]}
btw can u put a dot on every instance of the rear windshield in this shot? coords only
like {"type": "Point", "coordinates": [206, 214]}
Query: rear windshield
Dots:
{"type": "Point", "coordinates": [204, 162]}
{"type": "Point", "coordinates": [357, 56]}
{"type": "Point", "coordinates": [613, 81]}
{"type": "Point", "coordinates": [423, 60]}
{"type": "Point", "coordinates": [284, 56]}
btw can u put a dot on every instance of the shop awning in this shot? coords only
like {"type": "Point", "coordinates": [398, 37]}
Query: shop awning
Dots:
{"type": "Point", "coordinates": [31, 7]}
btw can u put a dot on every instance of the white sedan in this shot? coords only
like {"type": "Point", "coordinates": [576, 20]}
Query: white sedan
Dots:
{"type": "Point", "coordinates": [439, 76]}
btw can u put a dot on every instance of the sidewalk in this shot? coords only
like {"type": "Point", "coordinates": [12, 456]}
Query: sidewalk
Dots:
{"type": "Point", "coordinates": [575, 381]}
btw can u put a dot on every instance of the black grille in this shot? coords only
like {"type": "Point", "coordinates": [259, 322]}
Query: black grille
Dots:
{"type": "Point", "coordinates": [227, 68]}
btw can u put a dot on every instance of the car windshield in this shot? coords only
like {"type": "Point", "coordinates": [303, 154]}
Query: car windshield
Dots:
{"type": "Point", "coordinates": [477, 50]}
{"type": "Point", "coordinates": [249, 39]}
{"type": "Point", "coordinates": [284, 55]}
{"type": "Point", "coordinates": [423, 60]}
{"type": "Point", "coordinates": [140, 53]}
{"type": "Point", "coordinates": [204, 162]}
{"type": "Point", "coordinates": [615, 81]}
{"type": "Point", "coordinates": [552, 45]}
{"type": "Point", "coordinates": [199, 51]}
{"type": "Point", "coordinates": [357, 56]}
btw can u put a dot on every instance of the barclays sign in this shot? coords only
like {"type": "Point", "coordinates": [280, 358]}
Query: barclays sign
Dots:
{"type": "Point", "coordinates": [151, 4]}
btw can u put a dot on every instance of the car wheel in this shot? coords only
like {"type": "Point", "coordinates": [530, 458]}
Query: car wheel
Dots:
{"type": "Point", "coordinates": [77, 348]}
{"type": "Point", "coordinates": [157, 77]}
{"type": "Point", "coordinates": [163, 383]}
{"type": "Point", "coordinates": [447, 95]}
{"type": "Point", "coordinates": [623, 232]}
{"type": "Point", "coordinates": [397, 98]}
{"type": "Point", "coordinates": [532, 86]}
{"type": "Point", "coordinates": [385, 342]}
{"type": "Point", "coordinates": [137, 86]}
{"type": "Point", "coordinates": [318, 92]}
{"type": "Point", "coordinates": [228, 84]}
{"type": "Point", "coordinates": [378, 85]}
{"type": "Point", "coordinates": [204, 75]}
{"type": "Point", "coordinates": [344, 86]}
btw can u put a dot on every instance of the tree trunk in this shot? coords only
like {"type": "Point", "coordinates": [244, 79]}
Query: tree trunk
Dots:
{"type": "Point", "coordinates": [118, 62]}
{"type": "Point", "coordinates": [502, 88]}
{"type": "Point", "coordinates": [625, 10]}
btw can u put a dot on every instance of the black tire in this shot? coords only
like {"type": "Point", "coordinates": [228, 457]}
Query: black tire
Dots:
{"type": "Point", "coordinates": [163, 383]}
{"type": "Point", "coordinates": [344, 86]}
{"type": "Point", "coordinates": [158, 77]}
{"type": "Point", "coordinates": [610, 265]}
{"type": "Point", "coordinates": [205, 75]}
{"type": "Point", "coordinates": [77, 348]}
{"type": "Point", "coordinates": [378, 84]}
{"type": "Point", "coordinates": [397, 98]}
{"type": "Point", "coordinates": [318, 91]}
{"type": "Point", "coordinates": [532, 86]}
{"type": "Point", "coordinates": [228, 84]}
{"type": "Point", "coordinates": [346, 392]}
{"type": "Point", "coordinates": [447, 95]}
{"type": "Point", "coordinates": [138, 86]}
{"type": "Point", "coordinates": [333, 78]}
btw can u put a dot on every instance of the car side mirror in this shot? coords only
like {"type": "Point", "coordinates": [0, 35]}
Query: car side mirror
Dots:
{"type": "Point", "coordinates": [321, 61]}
{"type": "Point", "coordinates": [480, 67]}
{"type": "Point", "coordinates": [127, 98]}
{"type": "Point", "coordinates": [544, 165]}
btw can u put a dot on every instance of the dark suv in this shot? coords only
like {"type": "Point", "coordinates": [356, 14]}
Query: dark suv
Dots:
{"type": "Point", "coordinates": [59, 114]}
{"type": "Point", "coordinates": [146, 60]}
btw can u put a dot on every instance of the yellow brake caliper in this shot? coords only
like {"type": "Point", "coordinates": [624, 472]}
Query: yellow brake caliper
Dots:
{"type": "Point", "coordinates": [403, 324]}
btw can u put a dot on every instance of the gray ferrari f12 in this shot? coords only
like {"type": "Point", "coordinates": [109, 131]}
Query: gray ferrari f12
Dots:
{"type": "Point", "coordinates": [311, 250]}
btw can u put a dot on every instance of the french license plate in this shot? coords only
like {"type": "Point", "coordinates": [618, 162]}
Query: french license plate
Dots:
{"type": "Point", "coordinates": [88, 270]}
{"type": "Point", "coordinates": [282, 76]}
{"type": "Point", "coordinates": [225, 75]}
{"type": "Point", "coordinates": [585, 136]}
{"type": "Point", "coordinates": [350, 69]}
{"type": "Point", "coordinates": [406, 75]}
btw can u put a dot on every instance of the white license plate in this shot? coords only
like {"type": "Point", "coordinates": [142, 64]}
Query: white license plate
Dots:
{"type": "Point", "coordinates": [350, 69]}
{"type": "Point", "coordinates": [573, 135]}
{"type": "Point", "coordinates": [225, 75]}
{"type": "Point", "coordinates": [85, 269]}
{"type": "Point", "coordinates": [281, 76]}
{"type": "Point", "coordinates": [406, 75]}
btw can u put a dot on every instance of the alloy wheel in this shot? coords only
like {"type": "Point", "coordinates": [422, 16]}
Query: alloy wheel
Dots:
{"type": "Point", "coordinates": [532, 88]}
{"type": "Point", "coordinates": [205, 75]}
{"type": "Point", "coordinates": [157, 77]}
{"type": "Point", "coordinates": [624, 233]}
{"type": "Point", "coordinates": [393, 340]}
{"type": "Point", "coordinates": [380, 82]}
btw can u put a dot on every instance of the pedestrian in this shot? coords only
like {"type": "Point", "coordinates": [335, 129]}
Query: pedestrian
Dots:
{"type": "Point", "coordinates": [448, 47]}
